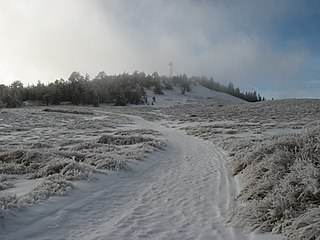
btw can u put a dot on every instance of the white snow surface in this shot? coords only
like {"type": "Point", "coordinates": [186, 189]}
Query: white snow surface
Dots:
{"type": "Point", "coordinates": [183, 192]}
{"type": "Point", "coordinates": [23, 186]}
{"type": "Point", "coordinates": [198, 95]}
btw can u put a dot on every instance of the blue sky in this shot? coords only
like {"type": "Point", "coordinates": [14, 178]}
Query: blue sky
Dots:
{"type": "Point", "coordinates": [269, 46]}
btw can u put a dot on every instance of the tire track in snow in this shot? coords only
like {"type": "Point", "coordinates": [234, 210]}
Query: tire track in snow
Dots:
{"type": "Point", "coordinates": [184, 194]}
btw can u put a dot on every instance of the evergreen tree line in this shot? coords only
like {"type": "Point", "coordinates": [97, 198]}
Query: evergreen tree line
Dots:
{"type": "Point", "coordinates": [119, 89]}
{"type": "Point", "coordinates": [216, 86]}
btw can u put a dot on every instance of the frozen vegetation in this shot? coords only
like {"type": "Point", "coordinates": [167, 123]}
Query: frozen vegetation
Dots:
{"type": "Point", "coordinates": [52, 147]}
{"type": "Point", "coordinates": [273, 165]}
{"type": "Point", "coordinates": [274, 150]}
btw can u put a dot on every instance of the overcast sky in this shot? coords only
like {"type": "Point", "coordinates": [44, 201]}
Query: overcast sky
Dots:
{"type": "Point", "coordinates": [271, 46]}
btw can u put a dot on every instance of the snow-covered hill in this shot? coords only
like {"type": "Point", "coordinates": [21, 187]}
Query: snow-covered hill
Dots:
{"type": "Point", "coordinates": [182, 192]}
{"type": "Point", "coordinates": [198, 95]}
{"type": "Point", "coordinates": [181, 189]}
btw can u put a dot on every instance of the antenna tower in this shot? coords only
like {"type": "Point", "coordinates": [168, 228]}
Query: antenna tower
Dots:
{"type": "Point", "coordinates": [171, 69]}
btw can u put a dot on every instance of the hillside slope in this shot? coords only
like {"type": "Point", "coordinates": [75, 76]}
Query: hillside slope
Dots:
{"type": "Point", "coordinates": [198, 95]}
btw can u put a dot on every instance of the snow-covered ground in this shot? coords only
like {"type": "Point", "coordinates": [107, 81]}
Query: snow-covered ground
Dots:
{"type": "Point", "coordinates": [43, 150]}
{"type": "Point", "coordinates": [182, 192]}
{"type": "Point", "coordinates": [198, 95]}
{"type": "Point", "coordinates": [273, 151]}
{"type": "Point", "coordinates": [75, 172]}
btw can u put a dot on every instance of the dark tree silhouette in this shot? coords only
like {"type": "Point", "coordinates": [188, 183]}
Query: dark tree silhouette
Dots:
{"type": "Point", "coordinates": [120, 90]}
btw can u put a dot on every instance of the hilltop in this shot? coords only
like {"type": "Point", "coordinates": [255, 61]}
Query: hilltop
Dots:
{"type": "Point", "coordinates": [121, 90]}
{"type": "Point", "coordinates": [198, 95]}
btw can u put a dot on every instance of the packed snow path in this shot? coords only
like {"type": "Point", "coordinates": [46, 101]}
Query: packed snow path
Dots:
{"type": "Point", "coordinates": [182, 192]}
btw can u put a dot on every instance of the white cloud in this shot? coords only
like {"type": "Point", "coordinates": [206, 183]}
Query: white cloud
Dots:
{"type": "Point", "coordinates": [49, 39]}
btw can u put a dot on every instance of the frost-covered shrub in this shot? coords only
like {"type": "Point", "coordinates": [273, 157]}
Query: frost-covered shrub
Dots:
{"type": "Point", "coordinates": [6, 182]}
{"type": "Point", "coordinates": [69, 168]}
{"type": "Point", "coordinates": [75, 156]}
{"type": "Point", "coordinates": [50, 168]}
{"type": "Point", "coordinates": [120, 140]}
{"type": "Point", "coordinates": [88, 145]}
{"type": "Point", "coordinates": [19, 156]}
{"type": "Point", "coordinates": [69, 142]}
{"type": "Point", "coordinates": [305, 226]}
{"type": "Point", "coordinates": [53, 185]}
{"type": "Point", "coordinates": [7, 200]}
{"type": "Point", "coordinates": [21, 161]}
{"type": "Point", "coordinates": [57, 181]}
{"type": "Point", "coordinates": [137, 132]}
{"type": "Point", "coordinates": [257, 220]}
{"type": "Point", "coordinates": [12, 156]}
{"type": "Point", "coordinates": [154, 145]}
{"type": "Point", "coordinates": [282, 185]}
{"type": "Point", "coordinates": [277, 148]}
{"type": "Point", "coordinates": [115, 163]}
{"type": "Point", "coordinates": [76, 171]}
{"type": "Point", "coordinates": [40, 145]}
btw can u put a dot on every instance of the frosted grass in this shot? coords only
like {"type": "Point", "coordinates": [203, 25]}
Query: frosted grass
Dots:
{"type": "Point", "coordinates": [64, 144]}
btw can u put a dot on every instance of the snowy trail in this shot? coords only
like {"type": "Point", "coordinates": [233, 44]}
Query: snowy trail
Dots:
{"type": "Point", "coordinates": [180, 193]}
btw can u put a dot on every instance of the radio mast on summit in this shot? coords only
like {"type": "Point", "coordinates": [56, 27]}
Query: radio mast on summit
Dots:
{"type": "Point", "coordinates": [171, 69]}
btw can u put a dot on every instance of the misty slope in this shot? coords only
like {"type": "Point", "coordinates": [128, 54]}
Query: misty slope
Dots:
{"type": "Point", "coordinates": [198, 95]}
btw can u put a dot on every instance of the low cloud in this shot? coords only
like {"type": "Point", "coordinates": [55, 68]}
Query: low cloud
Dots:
{"type": "Point", "coordinates": [48, 39]}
